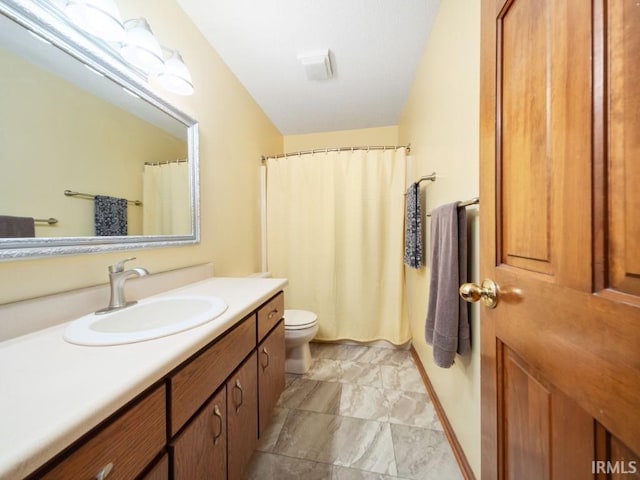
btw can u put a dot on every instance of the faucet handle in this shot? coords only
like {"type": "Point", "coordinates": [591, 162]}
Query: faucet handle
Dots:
{"type": "Point", "coordinates": [119, 266]}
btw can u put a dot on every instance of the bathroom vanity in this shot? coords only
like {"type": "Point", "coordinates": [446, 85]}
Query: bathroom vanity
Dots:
{"type": "Point", "coordinates": [186, 406]}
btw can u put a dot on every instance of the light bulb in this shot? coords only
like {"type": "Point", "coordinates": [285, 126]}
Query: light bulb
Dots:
{"type": "Point", "coordinates": [100, 18]}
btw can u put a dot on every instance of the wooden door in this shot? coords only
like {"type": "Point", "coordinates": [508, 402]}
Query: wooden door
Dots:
{"type": "Point", "coordinates": [560, 233]}
{"type": "Point", "coordinates": [200, 451]}
{"type": "Point", "coordinates": [271, 359]}
{"type": "Point", "coordinates": [242, 412]}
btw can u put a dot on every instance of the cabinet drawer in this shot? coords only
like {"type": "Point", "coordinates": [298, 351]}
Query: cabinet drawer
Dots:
{"type": "Point", "coordinates": [270, 314]}
{"type": "Point", "coordinates": [129, 443]}
{"type": "Point", "coordinates": [190, 386]}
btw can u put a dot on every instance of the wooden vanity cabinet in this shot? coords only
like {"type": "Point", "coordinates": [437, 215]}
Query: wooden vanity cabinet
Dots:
{"type": "Point", "coordinates": [271, 359]}
{"type": "Point", "coordinates": [202, 422]}
{"type": "Point", "coordinates": [200, 451]}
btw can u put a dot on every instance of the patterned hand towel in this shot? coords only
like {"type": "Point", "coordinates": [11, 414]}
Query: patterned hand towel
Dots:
{"type": "Point", "coordinates": [16, 227]}
{"type": "Point", "coordinates": [413, 228]}
{"type": "Point", "coordinates": [110, 216]}
{"type": "Point", "coordinates": [447, 315]}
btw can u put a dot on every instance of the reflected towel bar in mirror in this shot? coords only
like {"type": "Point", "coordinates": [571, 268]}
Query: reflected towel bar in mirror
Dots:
{"type": "Point", "coordinates": [71, 193]}
{"type": "Point", "coordinates": [50, 220]}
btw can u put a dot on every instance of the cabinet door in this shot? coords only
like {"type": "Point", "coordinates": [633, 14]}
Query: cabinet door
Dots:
{"type": "Point", "coordinates": [160, 470]}
{"type": "Point", "coordinates": [200, 451]}
{"type": "Point", "coordinates": [242, 413]}
{"type": "Point", "coordinates": [271, 357]}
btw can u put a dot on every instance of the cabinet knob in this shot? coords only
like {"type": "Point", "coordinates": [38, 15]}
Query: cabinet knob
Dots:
{"type": "Point", "coordinates": [238, 387]}
{"type": "Point", "coordinates": [218, 415]}
{"type": "Point", "coordinates": [106, 470]}
{"type": "Point", "coordinates": [266, 356]}
{"type": "Point", "coordinates": [273, 313]}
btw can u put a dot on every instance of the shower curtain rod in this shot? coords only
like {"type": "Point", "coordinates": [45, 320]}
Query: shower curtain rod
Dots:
{"type": "Point", "coordinates": [165, 162]}
{"type": "Point", "coordinates": [338, 149]}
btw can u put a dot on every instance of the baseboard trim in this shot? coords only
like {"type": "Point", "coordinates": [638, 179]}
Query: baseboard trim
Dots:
{"type": "Point", "coordinates": [461, 458]}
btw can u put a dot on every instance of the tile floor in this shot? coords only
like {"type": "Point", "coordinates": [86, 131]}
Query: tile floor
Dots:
{"type": "Point", "coordinates": [360, 413]}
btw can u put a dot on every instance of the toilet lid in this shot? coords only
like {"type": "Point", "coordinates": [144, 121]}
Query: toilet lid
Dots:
{"type": "Point", "coordinates": [299, 319]}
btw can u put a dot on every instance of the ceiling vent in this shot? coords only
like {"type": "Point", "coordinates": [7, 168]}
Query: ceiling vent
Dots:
{"type": "Point", "coordinates": [317, 64]}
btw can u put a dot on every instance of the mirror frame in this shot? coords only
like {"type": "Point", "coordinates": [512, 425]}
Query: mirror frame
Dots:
{"type": "Point", "coordinates": [47, 21]}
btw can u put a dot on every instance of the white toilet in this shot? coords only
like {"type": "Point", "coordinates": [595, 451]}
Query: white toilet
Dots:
{"type": "Point", "coordinates": [300, 326]}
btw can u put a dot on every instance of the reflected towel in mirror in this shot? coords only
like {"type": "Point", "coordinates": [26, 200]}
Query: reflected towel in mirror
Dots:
{"type": "Point", "coordinates": [110, 216]}
{"type": "Point", "coordinates": [16, 227]}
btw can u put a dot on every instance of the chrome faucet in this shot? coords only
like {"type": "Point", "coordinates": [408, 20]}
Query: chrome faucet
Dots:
{"type": "Point", "coordinates": [117, 276]}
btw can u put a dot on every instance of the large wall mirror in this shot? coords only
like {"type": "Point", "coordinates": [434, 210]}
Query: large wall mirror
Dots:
{"type": "Point", "coordinates": [87, 151]}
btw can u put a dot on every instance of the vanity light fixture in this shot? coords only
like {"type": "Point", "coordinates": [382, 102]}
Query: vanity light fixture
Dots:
{"type": "Point", "coordinates": [130, 93]}
{"type": "Point", "coordinates": [134, 40]}
{"type": "Point", "coordinates": [43, 40]}
{"type": "Point", "coordinates": [140, 48]}
{"type": "Point", "coordinates": [93, 70]}
{"type": "Point", "coordinates": [98, 17]}
{"type": "Point", "coordinates": [176, 77]}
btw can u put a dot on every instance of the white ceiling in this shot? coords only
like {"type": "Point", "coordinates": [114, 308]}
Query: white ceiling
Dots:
{"type": "Point", "coordinates": [374, 45]}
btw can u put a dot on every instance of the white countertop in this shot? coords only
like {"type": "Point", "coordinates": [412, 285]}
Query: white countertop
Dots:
{"type": "Point", "coordinates": [52, 392]}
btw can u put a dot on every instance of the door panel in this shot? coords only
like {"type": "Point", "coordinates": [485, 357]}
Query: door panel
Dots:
{"type": "Point", "coordinates": [560, 190]}
{"type": "Point", "coordinates": [527, 413]}
{"type": "Point", "coordinates": [526, 176]}
{"type": "Point", "coordinates": [540, 424]}
{"type": "Point", "coordinates": [544, 113]}
{"type": "Point", "coordinates": [624, 145]}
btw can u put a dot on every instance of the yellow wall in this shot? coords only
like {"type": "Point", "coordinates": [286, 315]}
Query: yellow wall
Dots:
{"type": "Point", "coordinates": [234, 133]}
{"type": "Point", "coordinates": [441, 121]}
{"type": "Point", "coordinates": [382, 136]}
{"type": "Point", "coordinates": [50, 146]}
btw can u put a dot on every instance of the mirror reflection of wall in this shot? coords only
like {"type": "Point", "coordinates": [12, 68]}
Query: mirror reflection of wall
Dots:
{"type": "Point", "coordinates": [55, 136]}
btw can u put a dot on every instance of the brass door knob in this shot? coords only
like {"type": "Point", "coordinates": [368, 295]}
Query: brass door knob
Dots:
{"type": "Point", "coordinates": [487, 292]}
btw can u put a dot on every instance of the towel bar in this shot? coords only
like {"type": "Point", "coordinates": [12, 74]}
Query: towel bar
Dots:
{"type": "Point", "coordinates": [472, 201]}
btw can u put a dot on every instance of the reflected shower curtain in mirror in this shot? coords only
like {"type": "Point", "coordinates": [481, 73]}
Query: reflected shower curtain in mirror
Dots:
{"type": "Point", "coordinates": [335, 229]}
{"type": "Point", "coordinates": [166, 199]}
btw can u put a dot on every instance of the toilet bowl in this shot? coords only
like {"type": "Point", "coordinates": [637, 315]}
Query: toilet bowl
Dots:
{"type": "Point", "coordinates": [300, 326]}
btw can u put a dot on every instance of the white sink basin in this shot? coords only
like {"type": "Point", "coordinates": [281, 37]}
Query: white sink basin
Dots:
{"type": "Point", "coordinates": [148, 319]}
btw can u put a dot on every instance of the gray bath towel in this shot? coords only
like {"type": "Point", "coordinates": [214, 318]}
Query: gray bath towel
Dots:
{"type": "Point", "coordinates": [16, 227]}
{"type": "Point", "coordinates": [110, 215]}
{"type": "Point", "coordinates": [447, 315]}
{"type": "Point", "coordinates": [413, 228]}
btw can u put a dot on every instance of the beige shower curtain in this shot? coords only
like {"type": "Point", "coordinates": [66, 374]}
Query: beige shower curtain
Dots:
{"type": "Point", "coordinates": [166, 206]}
{"type": "Point", "coordinates": [335, 230]}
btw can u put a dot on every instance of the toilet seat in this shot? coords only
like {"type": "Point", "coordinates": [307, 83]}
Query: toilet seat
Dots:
{"type": "Point", "coordinates": [299, 319]}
